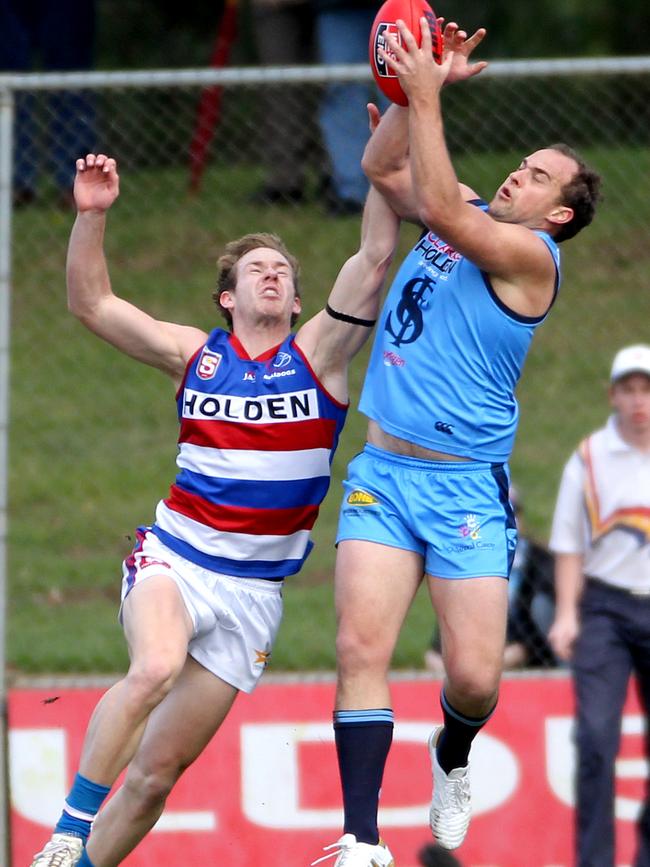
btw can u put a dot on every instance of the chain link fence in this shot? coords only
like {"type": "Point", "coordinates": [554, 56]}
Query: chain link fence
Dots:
{"type": "Point", "coordinates": [205, 157]}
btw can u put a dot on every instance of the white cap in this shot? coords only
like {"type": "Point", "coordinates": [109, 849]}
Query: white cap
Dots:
{"type": "Point", "coordinates": [631, 359]}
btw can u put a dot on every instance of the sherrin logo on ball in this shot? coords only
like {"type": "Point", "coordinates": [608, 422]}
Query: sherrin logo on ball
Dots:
{"type": "Point", "coordinates": [410, 12]}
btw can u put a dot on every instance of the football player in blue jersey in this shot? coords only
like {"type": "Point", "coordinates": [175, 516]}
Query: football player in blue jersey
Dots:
{"type": "Point", "coordinates": [260, 410]}
{"type": "Point", "coordinates": [428, 497]}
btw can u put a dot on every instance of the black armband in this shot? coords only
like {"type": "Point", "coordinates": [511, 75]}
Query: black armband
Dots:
{"type": "Point", "coordinates": [345, 317]}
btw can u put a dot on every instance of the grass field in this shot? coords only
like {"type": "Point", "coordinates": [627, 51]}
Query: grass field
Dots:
{"type": "Point", "coordinates": [92, 433]}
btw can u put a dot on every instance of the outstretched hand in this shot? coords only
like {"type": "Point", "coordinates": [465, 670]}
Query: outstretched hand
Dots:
{"type": "Point", "coordinates": [418, 73]}
{"type": "Point", "coordinates": [96, 184]}
{"type": "Point", "coordinates": [462, 46]}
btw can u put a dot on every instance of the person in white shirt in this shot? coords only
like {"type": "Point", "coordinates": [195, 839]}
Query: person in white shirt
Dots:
{"type": "Point", "coordinates": [601, 540]}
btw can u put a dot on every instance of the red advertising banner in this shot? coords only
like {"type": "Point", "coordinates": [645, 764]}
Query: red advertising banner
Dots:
{"type": "Point", "coordinates": [266, 790]}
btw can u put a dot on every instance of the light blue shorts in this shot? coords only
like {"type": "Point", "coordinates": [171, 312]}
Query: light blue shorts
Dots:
{"type": "Point", "coordinates": [455, 514]}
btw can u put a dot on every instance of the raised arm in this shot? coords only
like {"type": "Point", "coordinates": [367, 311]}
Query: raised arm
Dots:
{"type": "Point", "coordinates": [386, 158]}
{"type": "Point", "coordinates": [163, 345]}
{"type": "Point", "coordinates": [509, 252]}
{"type": "Point", "coordinates": [332, 337]}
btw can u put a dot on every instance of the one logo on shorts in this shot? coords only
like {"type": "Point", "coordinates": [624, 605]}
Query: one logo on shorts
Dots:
{"type": "Point", "coordinates": [361, 498]}
{"type": "Point", "coordinates": [262, 657]}
{"type": "Point", "coordinates": [470, 529]}
{"type": "Point", "coordinates": [208, 364]}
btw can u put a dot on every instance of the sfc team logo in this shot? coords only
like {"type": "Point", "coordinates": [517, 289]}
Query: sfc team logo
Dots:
{"type": "Point", "coordinates": [208, 364]}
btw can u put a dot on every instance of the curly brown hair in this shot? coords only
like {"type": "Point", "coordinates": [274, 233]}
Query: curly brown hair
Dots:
{"type": "Point", "coordinates": [227, 266]}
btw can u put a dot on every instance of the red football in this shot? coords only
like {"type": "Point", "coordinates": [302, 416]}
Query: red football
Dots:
{"type": "Point", "coordinates": [410, 11]}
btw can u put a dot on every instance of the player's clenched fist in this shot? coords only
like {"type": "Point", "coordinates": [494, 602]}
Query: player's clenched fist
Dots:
{"type": "Point", "coordinates": [96, 184]}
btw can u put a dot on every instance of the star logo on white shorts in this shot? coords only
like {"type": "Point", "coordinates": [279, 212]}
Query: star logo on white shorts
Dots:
{"type": "Point", "coordinates": [262, 657]}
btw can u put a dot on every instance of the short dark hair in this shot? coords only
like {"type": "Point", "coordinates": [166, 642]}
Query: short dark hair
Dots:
{"type": "Point", "coordinates": [581, 193]}
{"type": "Point", "coordinates": [227, 266]}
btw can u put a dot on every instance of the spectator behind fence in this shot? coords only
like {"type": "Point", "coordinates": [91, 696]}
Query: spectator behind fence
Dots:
{"type": "Point", "coordinates": [284, 36]}
{"type": "Point", "coordinates": [531, 605]}
{"type": "Point", "coordinates": [601, 539]}
{"type": "Point", "coordinates": [342, 32]}
{"type": "Point", "coordinates": [54, 37]}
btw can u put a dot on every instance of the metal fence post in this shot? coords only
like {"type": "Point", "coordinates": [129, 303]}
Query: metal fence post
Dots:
{"type": "Point", "coordinates": [6, 148]}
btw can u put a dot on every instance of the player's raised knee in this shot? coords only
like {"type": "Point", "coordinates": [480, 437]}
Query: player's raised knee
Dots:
{"type": "Point", "coordinates": [149, 682]}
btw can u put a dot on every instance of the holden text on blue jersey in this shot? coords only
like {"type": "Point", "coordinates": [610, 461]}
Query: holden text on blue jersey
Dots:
{"type": "Point", "coordinates": [437, 254]}
{"type": "Point", "coordinates": [290, 406]}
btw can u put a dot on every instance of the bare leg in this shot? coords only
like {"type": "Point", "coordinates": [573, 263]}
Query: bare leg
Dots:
{"type": "Point", "coordinates": [177, 731]}
{"type": "Point", "coordinates": [158, 629]}
{"type": "Point", "coordinates": [375, 585]}
{"type": "Point", "coordinates": [472, 616]}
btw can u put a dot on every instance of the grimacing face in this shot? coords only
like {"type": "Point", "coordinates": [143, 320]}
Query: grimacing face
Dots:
{"type": "Point", "coordinates": [264, 285]}
{"type": "Point", "coordinates": [531, 194]}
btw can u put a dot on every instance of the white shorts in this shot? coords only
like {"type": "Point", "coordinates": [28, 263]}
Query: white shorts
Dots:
{"type": "Point", "coordinates": [235, 620]}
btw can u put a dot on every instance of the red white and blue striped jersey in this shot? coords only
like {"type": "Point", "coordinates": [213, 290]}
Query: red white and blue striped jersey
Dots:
{"type": "Point", "coordinates": [257, 437]}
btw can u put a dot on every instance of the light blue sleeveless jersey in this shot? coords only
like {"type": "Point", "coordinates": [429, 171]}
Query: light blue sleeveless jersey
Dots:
{"type": "Point", "coordinates": [447, 355]}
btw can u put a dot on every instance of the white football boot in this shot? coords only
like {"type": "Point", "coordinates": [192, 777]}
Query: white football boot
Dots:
{"type": "Point", "coordinates": [451, 806]}
{"type": "Point", "coordinates": [63, 850]}
{"type": "Point", "coordinates": [349, 853]}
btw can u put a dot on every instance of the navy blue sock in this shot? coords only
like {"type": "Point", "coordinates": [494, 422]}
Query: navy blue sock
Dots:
{"type": "Point", "coordinates": [456, 739]}
{"type": "Point", "coordinates": [85, 861]}
{"type": "Point", "coordinates": [363, 739]}
{"type": "Point", "coordinates": [81, 806]}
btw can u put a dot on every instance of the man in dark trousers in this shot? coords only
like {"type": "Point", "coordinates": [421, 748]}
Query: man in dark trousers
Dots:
{"type": "Point", "coordinates": [601, 539]}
